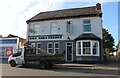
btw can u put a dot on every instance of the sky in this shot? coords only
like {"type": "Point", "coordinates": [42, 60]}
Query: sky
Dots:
{"type": "Point", "coordinates": [14, 13]}
{"type": "Point", "coordinates": [119, 22]}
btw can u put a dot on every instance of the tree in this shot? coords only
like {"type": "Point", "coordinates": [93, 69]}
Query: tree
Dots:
{"type": "Point", "coordinates": [108, 42]}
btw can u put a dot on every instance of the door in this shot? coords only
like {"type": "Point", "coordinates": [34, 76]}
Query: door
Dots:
{"type": "Point", "coordinates": [69, 51]}
{"type": "Point", "coordinates": [19, 56]}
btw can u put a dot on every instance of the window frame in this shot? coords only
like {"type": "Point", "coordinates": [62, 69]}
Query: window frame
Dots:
{"type": "Point", "coordinates": [52, 27]}
{"type": "Point", "coordinates": [86, 48]}
{"type": "Point", "coordinates": [87, 24]}
{"type": "Point", "coordinates": [36, 29]}
{"type": "Point", "coordinates": [49, 48]}
{"type": "Point", "coordinates": [38, 48]}
{"type": "Point", "coordinates": [91, 49]}
{"type": "Point", "coordinates": [55, 47]}
{"type": "Point", "coordinates": [97, 47]}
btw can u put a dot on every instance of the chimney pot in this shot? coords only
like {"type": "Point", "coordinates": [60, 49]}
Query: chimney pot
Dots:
{"type": "Point", "coordinates": [98, 6]}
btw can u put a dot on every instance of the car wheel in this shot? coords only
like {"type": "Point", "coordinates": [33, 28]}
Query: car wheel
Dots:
{"type": "Point", "coordinates": [12, 64]}
{"type": "Point", "coordinates": [43, 65]}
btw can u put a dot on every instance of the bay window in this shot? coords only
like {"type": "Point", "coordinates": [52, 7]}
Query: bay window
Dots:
{"type": "Point", "coordinates": [87, 48]}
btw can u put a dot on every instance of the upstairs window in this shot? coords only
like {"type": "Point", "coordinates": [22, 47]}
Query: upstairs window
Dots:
{"type": "Point", "coordinates": [37, 28]}
{"type": "Point", "coordinates": [68, 26]}
{"type": "Point", "coordinates": [54, 28]}
{"type": "Point", "coordinates": [86, 26]}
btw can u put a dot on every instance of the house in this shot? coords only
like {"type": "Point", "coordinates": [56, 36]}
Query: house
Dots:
{"type": "Point", "coordinates": [118, 51]}
{"type": "Point", "coordinates": [9, 44]}
{"type": "Point", "coordinates": [75, 32]}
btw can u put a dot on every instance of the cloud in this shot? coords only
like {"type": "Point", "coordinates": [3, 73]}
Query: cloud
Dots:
{"type": "Point", "coordinates": [86, 0]}
{"type": "Point", "coordinates": [14, 14]}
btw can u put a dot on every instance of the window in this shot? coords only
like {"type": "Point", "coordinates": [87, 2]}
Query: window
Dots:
{"type": "Point", "coordinates": [56, 47]}
{"type": "Point", "coordinates": [36, 28]}
{"type": "Point", "coordinates": [68, 26]}
{"type": "Point", "coordinates": [86, 26]}
{"type": "Point", "coordinates": [50, 48]}
{"type": "Point", "coordinates": [2, 51]}
{"type": "Point", "coordinates": [38, 48]}
{"type": "Point", "coordinates": [95, 48]}
{"type": "Point", "coordinates": [54, 28]}
{"type": "Point", "coordinates": [79, 47]}
{"type": "Point", "coordinates": [87, 47]}
{"type": "Point", "coordinates": [31, 30]}
{"type": "Point", "coordinates": [33, 45]}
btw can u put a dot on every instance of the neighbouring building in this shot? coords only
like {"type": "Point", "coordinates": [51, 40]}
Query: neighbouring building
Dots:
{"type": "Point", "coordinates": [76, 33]}
{"type": "Point", "coordinates": [9, 44]}
{"type": "Point", "coordinates": [118, 51]}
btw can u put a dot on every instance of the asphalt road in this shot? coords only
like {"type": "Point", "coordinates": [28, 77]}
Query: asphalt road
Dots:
{"type": "Point", "coordinates": [100, 70]}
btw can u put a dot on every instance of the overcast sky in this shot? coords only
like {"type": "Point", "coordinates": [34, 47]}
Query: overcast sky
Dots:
{"type": "Point", "coordinates": [14, 13]}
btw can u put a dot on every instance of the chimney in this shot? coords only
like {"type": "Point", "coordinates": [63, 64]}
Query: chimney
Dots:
{"type": "Point", "coordinates": [98, 6]}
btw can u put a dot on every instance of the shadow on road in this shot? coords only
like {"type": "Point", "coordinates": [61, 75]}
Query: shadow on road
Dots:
{"type": "Point", "coordinates": [89, 70]}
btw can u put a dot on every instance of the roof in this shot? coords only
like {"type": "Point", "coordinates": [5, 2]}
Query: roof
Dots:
{"type": "Point", "coordinates": [66, 13]}
{"type": "Point", "coordinates": [86, 36]}
{"type": "Point", "coordinates": [11, 36]}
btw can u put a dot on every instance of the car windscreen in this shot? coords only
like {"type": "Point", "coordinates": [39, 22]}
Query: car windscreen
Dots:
{"type": "Point", "coordinates": [18, 52]}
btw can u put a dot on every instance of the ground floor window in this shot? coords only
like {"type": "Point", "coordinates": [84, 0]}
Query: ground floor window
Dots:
{"type": "Point", "coordinates": [56, 47]}
{"type": "Point", "coordinates": [38, 48]}
{"type": "Point", "coordinates": [87, 47]}
{"type": "Point", "coordinates": [53, 47]}
{"type": "Point", "coordinates": [50, 47]}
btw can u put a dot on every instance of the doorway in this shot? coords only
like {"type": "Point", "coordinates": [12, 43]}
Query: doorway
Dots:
{"type": "Point", "coordinates": [69, 52]}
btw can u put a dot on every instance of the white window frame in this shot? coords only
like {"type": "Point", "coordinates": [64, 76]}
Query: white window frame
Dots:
{"type": "Point", "coordinates": [87, 47]}
{"type": "Point", "coordinates": [55, 47]}
{"type": "Point", "coordinates": [33, 45]}
{"type": "Point", "coordinates": [87, 24]}
{"type": "Point", "coordinates": [38, 48]}
{"type": "Point", "coordinates": [97, 48]}
{"type": "Point", "coordinates": [49, 48]}
{"type": "Point", "coordinates": [91, 42]}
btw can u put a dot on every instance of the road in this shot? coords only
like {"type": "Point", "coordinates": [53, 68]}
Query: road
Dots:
{"type": "Point", "coordinates": [59, 71]}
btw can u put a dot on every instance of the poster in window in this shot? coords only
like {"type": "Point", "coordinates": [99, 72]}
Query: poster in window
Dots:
{"type": "Point", "coordinates": [9, 51]}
